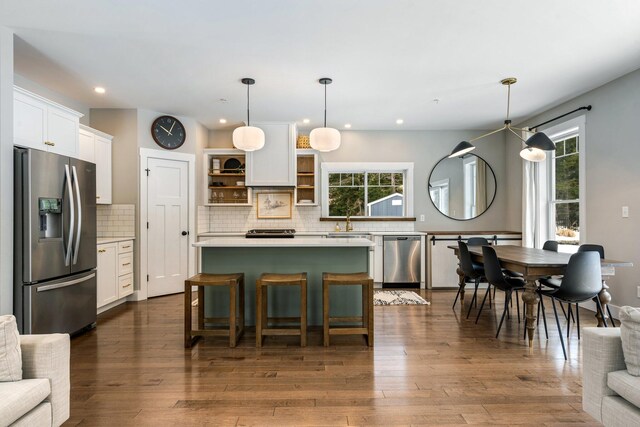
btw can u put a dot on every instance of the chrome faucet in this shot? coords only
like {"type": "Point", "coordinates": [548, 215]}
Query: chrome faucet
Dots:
{"type": "Point", "coordinates": [348, 226]}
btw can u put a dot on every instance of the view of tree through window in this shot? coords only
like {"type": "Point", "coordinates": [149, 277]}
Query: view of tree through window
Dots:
{"type": "Point", "coordinates": [366, 194]}
{"type": "Point", "coordinates": [565, 205]}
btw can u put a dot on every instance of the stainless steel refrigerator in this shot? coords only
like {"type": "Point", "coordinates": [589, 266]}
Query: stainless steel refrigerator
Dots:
{"type": "Point", "coordinates": [55, 242]}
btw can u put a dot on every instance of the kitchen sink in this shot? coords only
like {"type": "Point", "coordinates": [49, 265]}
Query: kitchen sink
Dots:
{"type": "Point", "coordinates": [345, 234]}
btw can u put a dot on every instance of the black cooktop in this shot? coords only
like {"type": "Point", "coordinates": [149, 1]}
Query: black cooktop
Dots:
{"type": "Point", "coordinates": [282, 233]}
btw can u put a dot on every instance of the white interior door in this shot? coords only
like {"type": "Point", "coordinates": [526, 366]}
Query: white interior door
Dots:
{"type": "Point", "coordinates": [167, 214]}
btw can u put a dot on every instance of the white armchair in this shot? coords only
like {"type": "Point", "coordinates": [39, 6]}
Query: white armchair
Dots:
{"type": "Point", "coordinates": [42, 397]}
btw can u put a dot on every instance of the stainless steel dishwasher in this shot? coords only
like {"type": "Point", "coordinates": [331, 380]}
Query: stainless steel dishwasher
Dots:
{"type": "Point", "coordinates": [401, 261]}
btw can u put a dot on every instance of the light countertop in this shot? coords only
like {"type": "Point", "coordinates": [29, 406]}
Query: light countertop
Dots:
{"type": "Point", "coordinates": [103, 240]}
{"type": "Point", "coordinates": [242, 242]}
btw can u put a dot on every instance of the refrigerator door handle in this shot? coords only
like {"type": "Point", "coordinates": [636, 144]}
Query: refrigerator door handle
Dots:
{"type": "Point", "coordinates": [65, 284]}
{"type": "Point", "coordinates": [67, 256]}
{"type": "Point", "coordinates": [75, 180]}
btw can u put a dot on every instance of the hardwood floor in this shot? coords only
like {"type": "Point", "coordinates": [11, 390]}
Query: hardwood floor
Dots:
{"type": "Point", "coordinates": [429, 366]}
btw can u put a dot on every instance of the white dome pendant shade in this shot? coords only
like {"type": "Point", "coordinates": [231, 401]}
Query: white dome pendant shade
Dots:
{"type": "Point", "coordinates": [533, 154]}
{"type": "Point", "coordinates": [248, 138]}
{"type": "Point", "coordinates": [324, 139]}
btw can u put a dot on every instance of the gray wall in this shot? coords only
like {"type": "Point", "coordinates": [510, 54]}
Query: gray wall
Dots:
{"type": "Point", "coordinates": [612, 176]}
{"type": "Point", "coordinates": [54, 96]}
{"type": "Point", "coordinates": [6, 171]}
{"type": "Point", "coordinates": [425, 149]}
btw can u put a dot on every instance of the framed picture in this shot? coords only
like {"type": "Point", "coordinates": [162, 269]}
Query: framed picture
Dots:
{"type": "Point", "coordinates": [274, 205]}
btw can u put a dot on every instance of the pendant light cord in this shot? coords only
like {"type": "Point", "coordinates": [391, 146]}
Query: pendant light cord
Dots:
{"type": "Point", "coordinates": [248, 121]}
{"type": "Point", "coordinates": [325, 105]}
{"type": "Point", "coordinates": [508, 99]}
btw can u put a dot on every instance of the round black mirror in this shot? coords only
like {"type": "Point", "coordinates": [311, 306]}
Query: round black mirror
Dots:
{"type": "Point", "coordinates": [462, 188]}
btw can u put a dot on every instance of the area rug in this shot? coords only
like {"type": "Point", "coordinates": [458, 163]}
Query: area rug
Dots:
{"type": "Point", "coordinates": [398, 298]}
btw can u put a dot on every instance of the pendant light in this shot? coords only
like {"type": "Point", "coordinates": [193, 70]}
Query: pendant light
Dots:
{"type": "Point", "coordinates": [536, 145]}
{"type": "Point", "coordinates": [324, 139]}
{"type": "Point", "coordinates": [248, 138]}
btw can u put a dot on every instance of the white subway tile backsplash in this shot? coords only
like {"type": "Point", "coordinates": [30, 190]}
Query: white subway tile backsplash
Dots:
{"type": "Point", "coordinates": [306, 218]}
{"type": "Point", "coordinates": [116, 220]}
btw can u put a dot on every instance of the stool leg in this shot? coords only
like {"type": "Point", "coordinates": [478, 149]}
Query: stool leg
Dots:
{"type": "Point", "coordinates": [265, 306]}
{"type": "Point", "coordinates": [303, 313]}
{"type": "Point", "coordinates": [241, 307]}
{"type": "Point", "coordinates": [325, 312]}
{"type": "Point", "coordinates": [258, 313]}
{"type": "Point", "coordinates": [200, 307]}
{"type": "Point", "coordinates": [232, 315]}
{"type": "Point", "coordinates": [365, 307]}
{"type": "Point", "coordinates": [187, 315]}
{"type": "Point", "coordinates": [370, 316]}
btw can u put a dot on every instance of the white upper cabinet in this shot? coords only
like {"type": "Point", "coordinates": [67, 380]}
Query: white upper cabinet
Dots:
{"type": "Point", "coordinates": [95, 147]}
{"type": "Point", "coordinates": [44, 125]}
{"type": "Point", "coordinates": [275, 164]}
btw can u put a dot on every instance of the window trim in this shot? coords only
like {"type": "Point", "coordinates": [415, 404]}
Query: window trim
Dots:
{"type": "Point", "coordinates": [372, 167]}
{"type": "Point", "coordinates": [556, 133]}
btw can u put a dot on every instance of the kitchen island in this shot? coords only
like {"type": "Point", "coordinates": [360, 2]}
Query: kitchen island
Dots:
{"type": "Point", "coordinates": [313, 255]}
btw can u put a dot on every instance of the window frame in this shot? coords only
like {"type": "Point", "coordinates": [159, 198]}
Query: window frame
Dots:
{"type": "Point", "coordinates": [406, 168]}
{"type": "Point", "coordinates": [556, 133]}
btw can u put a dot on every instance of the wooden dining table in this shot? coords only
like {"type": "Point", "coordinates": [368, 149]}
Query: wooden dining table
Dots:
{"type": "Point", "coordinates": [534, 264]}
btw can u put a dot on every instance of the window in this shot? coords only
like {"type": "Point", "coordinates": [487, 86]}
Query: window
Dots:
{"type": "Point", "coordinates": [367, 189]}
{"type": "Point", "coordinates": [565, 166]}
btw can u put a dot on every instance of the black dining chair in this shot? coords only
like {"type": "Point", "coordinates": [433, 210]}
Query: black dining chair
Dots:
{"type": "Point", "coordinates": [471, 270]}
{"type": "Point", "coordinates": [581, 282]}
{"type": "Point", "coordinates": [472, 241]}
{"type": "Point", "coordinates": [496, 277]}
{"type": "Point", "coordinates": [600, 249]}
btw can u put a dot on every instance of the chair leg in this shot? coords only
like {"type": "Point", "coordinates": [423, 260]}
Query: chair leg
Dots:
{"type": "Point", "coordinates": [601, 312]}
{"type": "Point", "coordinates": [483, 300]}
{"type": "Point", "coordinates": [555, 312]}
{"type": "Point", "coordinates": [456, 300]}
{"type": "Point", "coordinates": [544, 317]}
{"type": "Point", "coordinates": [518, 305]}
{"type": "Point", "coordinates": [524, 313]}
{"type": "Point", "coordinates": [507, 297]}
{"type": "Point", "coordinates": [578, 319]}
{"type": "Point", "coordinates": [538, 317]}
{"type": "Point", "coordinates": [570, 315]}
{"type": "Point", "coordinates": [490, 299]}
{"type": "Point", "coordinates": [563, 310]}
{"type": "Point", "coordinates": [475, 293]}
{"type": "Point", "coordinates": [610, 316]}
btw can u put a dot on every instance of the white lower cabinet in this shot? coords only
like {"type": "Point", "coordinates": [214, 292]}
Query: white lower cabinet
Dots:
{"type": "Point", "coordinates": [115, 272]}
{"type": "Point", "coordinates": [107, 273]}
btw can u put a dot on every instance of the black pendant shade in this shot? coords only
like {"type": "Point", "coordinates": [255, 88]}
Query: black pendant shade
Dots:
{"type": "Point", "coordinates": [462, 148]}
{"type": "Point", "coordinates": [541, 141]}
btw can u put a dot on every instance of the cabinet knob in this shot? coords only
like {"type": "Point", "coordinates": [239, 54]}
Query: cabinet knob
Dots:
{"type": "Point", "coordinates": [97, 197]}
{"type": "Point", "coordinates": [184, 233]}
{"type": "Point", "coordinates": [101, 250]}
{"type": "Point", "coordinates": [49, 143]}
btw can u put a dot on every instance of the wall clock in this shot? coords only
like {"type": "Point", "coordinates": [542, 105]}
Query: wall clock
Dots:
{"type": "Point", "coordinates": [168, 132]}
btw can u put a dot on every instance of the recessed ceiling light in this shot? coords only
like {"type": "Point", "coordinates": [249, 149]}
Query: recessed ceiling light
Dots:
{"type": "Point", "coordinates": [223, 121]}
{"type": "Point", "coordinates": [399, 121]}
{"type": "Point", "coordinates": [99, 90]}
{"type": "Point", "coordinates": [348, 125]}
{"type": "Point", "coordinates": [305, 121]}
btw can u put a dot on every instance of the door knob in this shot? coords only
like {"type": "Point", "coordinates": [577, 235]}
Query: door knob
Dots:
{"type": "Point", "coordinates": [184, 233]}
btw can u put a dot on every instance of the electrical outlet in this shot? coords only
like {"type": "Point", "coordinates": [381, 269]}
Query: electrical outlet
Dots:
{"type": "Point", "coordinates": [638, 291]}
{"type": "Point", "coordinates": [625, 212]}
{"type": "Point", "coordinates": [421, 218]}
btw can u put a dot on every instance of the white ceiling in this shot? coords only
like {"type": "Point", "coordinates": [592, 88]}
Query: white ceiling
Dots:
{"type": "Point", "coordinates": [389, 59]}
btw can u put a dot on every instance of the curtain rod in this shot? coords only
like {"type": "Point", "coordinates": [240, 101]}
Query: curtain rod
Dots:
{"type": "Point", "coordinates": [588, 108]}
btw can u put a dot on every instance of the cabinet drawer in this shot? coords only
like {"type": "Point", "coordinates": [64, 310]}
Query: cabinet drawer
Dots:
{"type": "Point", "coordinates": [124, 247]}
{"type": "Point", "coordinates": [125, 264]}
{"type": "Point", "coordinates": [125, 285]}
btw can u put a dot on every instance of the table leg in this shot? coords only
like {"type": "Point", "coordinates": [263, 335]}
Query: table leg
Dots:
{"type": "Point", "coordinates": [462, 284]}
{"type": "Point", "coordinates": [530, 300]}
{"type": "Point", "coordinates": [605, 298]}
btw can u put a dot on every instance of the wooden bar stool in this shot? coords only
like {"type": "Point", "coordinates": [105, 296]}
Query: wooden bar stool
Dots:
{"type": "Point", "coordinates": [348, 279]}
{"type": "Point", "coordinates": [235, 282]}
{"type": "Point", "coordinates": [262, 308]}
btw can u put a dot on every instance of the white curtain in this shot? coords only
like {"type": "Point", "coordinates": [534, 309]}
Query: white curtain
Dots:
{"type": "Point", "coordinates": [481, 186]}
{"type": "Point", "coordinates": [535, 206]}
